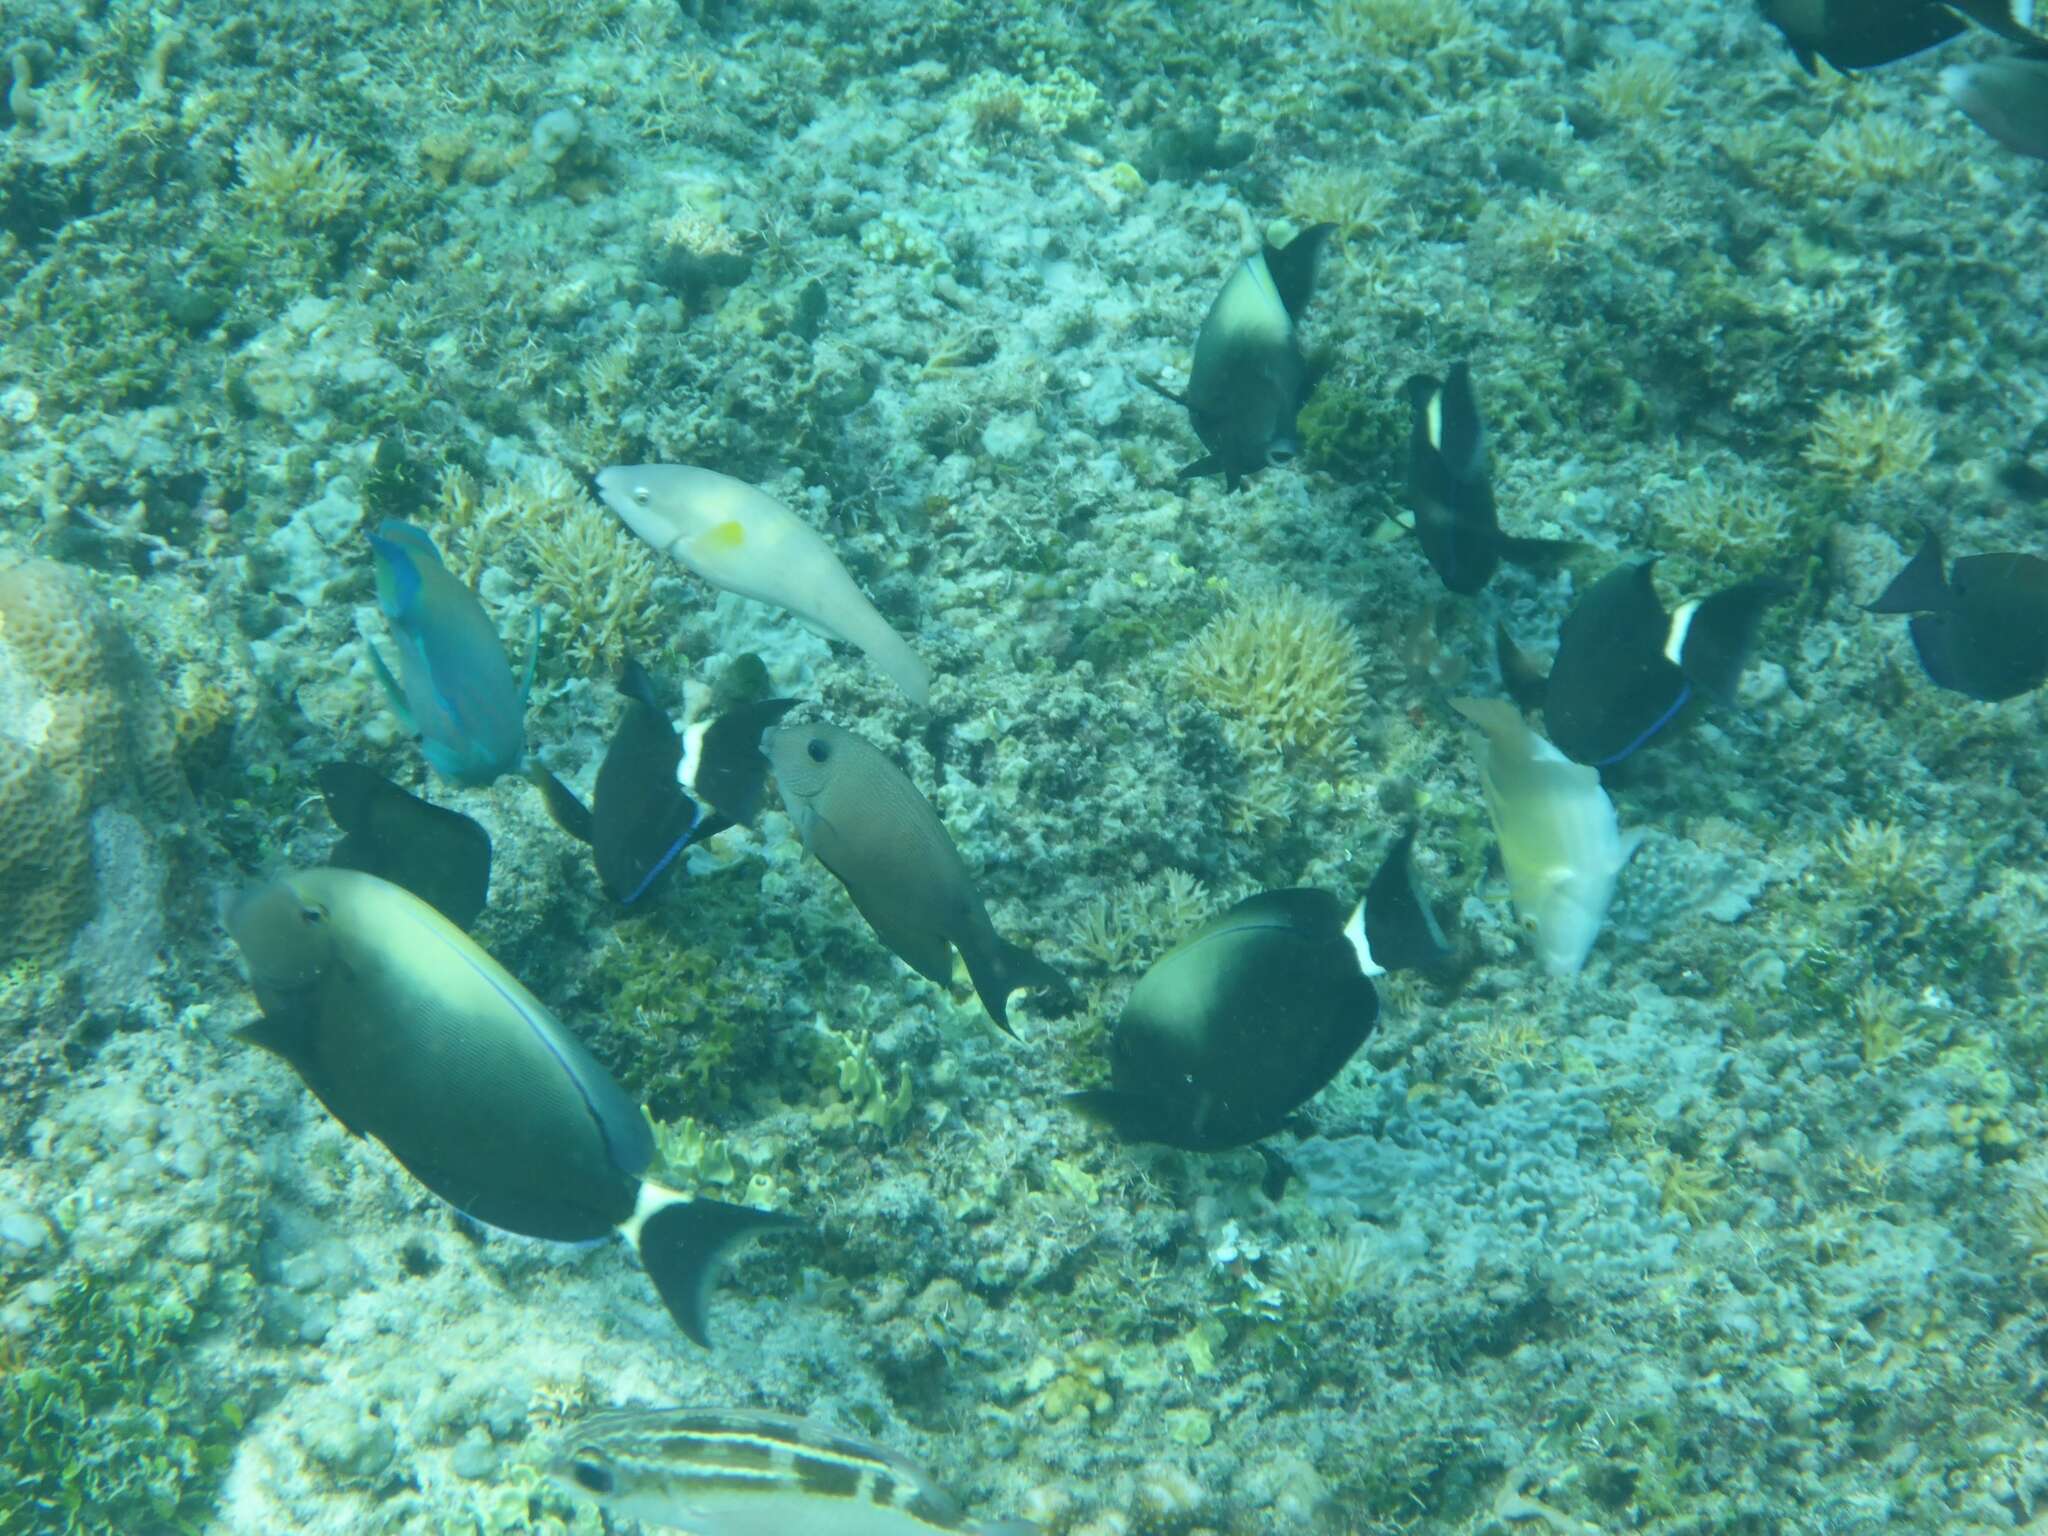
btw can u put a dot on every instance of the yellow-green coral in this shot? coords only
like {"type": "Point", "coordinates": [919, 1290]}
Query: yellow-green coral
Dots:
{"type": "Point", "coordinates": [304, 182]}
{"type": "Point", "coordinates": [855, 1091]}
{"type": "Point", "coordinates": [689, 1158]}
{"type": "Point", "coordinates": [1286, 675]}
{"type": "Point", "coordinates": [1865, 440]}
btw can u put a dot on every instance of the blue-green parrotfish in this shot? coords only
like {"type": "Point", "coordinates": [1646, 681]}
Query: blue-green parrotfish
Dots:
{"type": "Point", "coordinates": [867, 823]}
{"type": "Point", "coordinates": [1626, 670]}
{"type": "Point", "coordinates": [1248, 380]}
{"type": "Point", "coordinates": [744, 1472]}
{"type": "Point", "coordinates": [1244, 1021]}
{"type": "Point", "coordinates": [1982, 628]}
{"type": "Point", "coordinates": [409, 1033]}
{"type": "Point", "coordinates": [454, 689]}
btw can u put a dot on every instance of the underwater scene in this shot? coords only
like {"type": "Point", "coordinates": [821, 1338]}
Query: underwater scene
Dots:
{"type": "Point", "coordinates": [836, 768]}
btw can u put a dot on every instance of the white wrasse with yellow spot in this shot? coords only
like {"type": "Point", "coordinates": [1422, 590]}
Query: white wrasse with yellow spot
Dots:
{"type": "Point", "coordinates": [744, 540]}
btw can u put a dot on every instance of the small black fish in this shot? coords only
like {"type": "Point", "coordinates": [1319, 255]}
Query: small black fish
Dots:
{"type": "Point", "coordinates": [1862, 34]}
{"type": "Point", "coordinates": [1625, 669]}
{"type": "Point", "coordinates": [441, 856]}
{"type": "Point", "coordinates": [1450, 487]}
{"type": "Point", "coordinates": [1248, 380]}
{"type": "Point", "coordinates": [1246, 1019]}
{"type": "Point", "coordinates": [642, 818]}
{"type": "Point", "coordinates": [1983, 629]}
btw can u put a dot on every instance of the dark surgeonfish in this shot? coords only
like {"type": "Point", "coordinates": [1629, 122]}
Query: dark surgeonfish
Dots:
{"type": "Point", "coordinates": [643, 815]}
{"type": "Point", "coordinates": [745, 1472]}
{"type": "Point", "coordinates": [1248, 380]}
{"type": "Point", "coordinates": [408, 1032]}
{"type": "Point", "coordinates": [867, 823]}
{"type": "Point", "coordinates": [1862, 34]}
{"type": "Point", "coordinates": [441, 856]}
{"type": "Point", "coordinates": [1626, 670]}
{"type": "Point", "coordinates": [454, 688]}
{"type": "Point", "coordinates": [2006, 97]}
{"type": "Point", "coordinates": [1450, 487]}
{"type": "Point", "coordinates": [1982, 629]}
{"type": "Point", "coordinates": [1246, 1019]}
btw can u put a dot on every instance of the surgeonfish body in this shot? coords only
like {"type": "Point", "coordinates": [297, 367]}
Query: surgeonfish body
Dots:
{"type": "Point", "coordinates": [1450, 487]}
{"type": "Point", "coordinates": [1981, 629]}
{"type": "Point", "coordinates": [1863, 34]}
{"type": "Point", "coordinates": [441, 856]}
{"type": "Point", "coordinates": [1248, 380]}
{"type": "Point", "coordinates": [744, 1472]}
{"type": "Point", "coordinates": [2006, 97]}
{"type": "Point", "coordinates": [1251, 1015]}
{"type": "Point", "coordinates": [409, 1033]}
{"type": "Point", "coordinates": [659, 791]}
{"type": "Point", "coordinates": [744, 540]}
{"type": "Point", "coordinates": [867, 823]}
{"type": "Point", "coordinates": [1626, 670]}
{"type": "Point", "coordinates": [1560, 844]}
{"type": "Point", "coordinates": [454, 688]}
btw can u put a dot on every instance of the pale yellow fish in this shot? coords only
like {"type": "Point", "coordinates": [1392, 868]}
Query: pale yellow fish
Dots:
{"type": "Point", "coordinates": [744, 540]}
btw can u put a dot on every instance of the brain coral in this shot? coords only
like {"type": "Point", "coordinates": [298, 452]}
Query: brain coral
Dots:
{"type": "Point", "coordinates": [81, 725]}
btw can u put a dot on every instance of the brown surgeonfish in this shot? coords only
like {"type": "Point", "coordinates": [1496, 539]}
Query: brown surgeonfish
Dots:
{"type": "Point", "coordinates": [408, 1032]}
{"type": "Point", "coordinates": [867, 823]}
{"type": "Point", "coordinates": [1981, 629]}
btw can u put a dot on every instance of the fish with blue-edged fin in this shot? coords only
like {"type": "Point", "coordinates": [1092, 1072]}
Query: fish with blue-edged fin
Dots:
{"type": "Point", "coordinates": [1626, 671]}
{"type": "Point", "coordinates": [1249, 380]}
{"type": "Point", "coordinates": [1981, 626]}
{"type": "Point", "coordinates": [409, 1033]}
{"type": "Point", "coordinates": [660, 790]}
{"type": "Point", "coordinates": [1246, 1019]}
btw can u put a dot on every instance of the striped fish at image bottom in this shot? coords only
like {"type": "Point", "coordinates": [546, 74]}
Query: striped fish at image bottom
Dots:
{"type": "Point", "coordinates": [745, 1472]}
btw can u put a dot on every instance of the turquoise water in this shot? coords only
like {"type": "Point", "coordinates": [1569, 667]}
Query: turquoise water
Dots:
{"type": "Point", "coordinates": [1741, 1226]}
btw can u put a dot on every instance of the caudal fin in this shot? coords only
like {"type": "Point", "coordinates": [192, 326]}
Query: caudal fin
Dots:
{"type": "Point", "coordinates": [723, 763]}
{"type": "Point", "coordinates": [1921, 587]}
{"type": "Point", "coordinates": [1003, 969]}
{"type": "Point", "coordinates": [1723, 627]}
{"type": "Point", "coordinates": [680, 1244]}
{"type": "Point", "coordinates": [1399, 926]}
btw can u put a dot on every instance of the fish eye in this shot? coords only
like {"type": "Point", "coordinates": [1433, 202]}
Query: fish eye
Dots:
{"type": "Point", "coordinates": [818, 749]}
{"type": "Point", "coordinates": [593, 1475]}
{"type": "Point", "coordinates": [312, 915]}
{"type": "Point", "coordinates": [640, 496]}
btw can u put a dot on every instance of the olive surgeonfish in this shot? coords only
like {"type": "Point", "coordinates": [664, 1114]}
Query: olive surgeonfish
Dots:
{"type": "Point", "coordinates": [408, 1032]}
{"type": "Point", "coordinates": [441, 856]}
{"type": "Point", "coordinates": [1625, 669]}
{"type": "Point", "coordinates": [1863, 34]}
{"type": "Point", "coordinates": [1247, 1018]}
{"type": "Point", "coordinates": [867, 823]}
{"type": "Point", "coordinates": [1981, 629]}
{"type": "Point", "coordinates": [643, 815]}
{"type": "Point", "coordinates": [454, 688]}
{"type": "Point", "coordinates": [1450, 487]}
{"type": "Point", "coordinates": [738, 537]}
{"type": "Point", "coordinates": [2006, 97]}
{"type": "Point", "coordinates": [1248, 380]}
